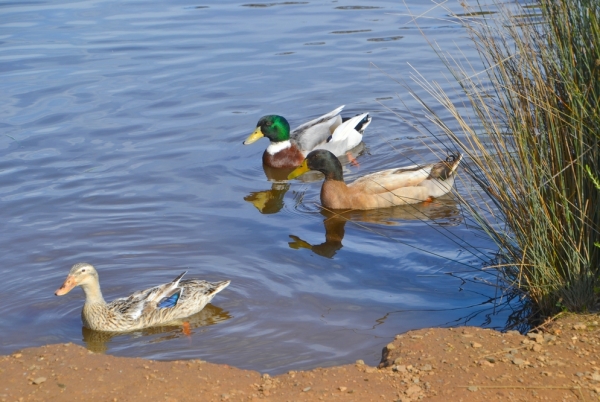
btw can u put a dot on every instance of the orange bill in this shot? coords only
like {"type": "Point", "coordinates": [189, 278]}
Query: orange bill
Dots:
{"type": "Point", "coordinates": [66, 287]}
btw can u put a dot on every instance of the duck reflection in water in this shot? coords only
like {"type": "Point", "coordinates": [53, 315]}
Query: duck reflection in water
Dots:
{"type": "Point", "coordinates": [444, 210]}
{"type": "Point", "coordinates": [271, 201]}
{"type": "Point", "coordinates": [98, 341]}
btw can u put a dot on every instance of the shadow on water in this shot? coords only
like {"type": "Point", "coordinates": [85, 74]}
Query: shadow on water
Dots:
{"type": "Point", "coordinates": [335, 222]}
{"type": "Point", "coordinates": [510, 303]}
{"type": "Point", "coordinates": [98, 341]}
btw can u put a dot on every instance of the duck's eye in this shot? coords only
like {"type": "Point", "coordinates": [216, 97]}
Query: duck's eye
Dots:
{"type": "Point", "coordinates": [83, 270]}
{"type": "Point", "coordinates": [268, 123]}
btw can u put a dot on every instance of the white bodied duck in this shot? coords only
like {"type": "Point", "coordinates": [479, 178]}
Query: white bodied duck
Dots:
{"type": "Point", "coordinates": [146, 308]}
{"type": "Point", "coordinates": [387, 188]}
{"type": "Point", "coordinates": [329, 132]}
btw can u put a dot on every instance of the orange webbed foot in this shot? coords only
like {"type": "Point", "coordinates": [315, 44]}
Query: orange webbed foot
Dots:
{"type": "Point", "coordinates": [185, 328]}
{"type": "Point", "coordinates": [352, 159]}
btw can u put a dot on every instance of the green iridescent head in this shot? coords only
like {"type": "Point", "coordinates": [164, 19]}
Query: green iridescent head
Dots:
{"type": "Point", "coordinates": [275, 128]}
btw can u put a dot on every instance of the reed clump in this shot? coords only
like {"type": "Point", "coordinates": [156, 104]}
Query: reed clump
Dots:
{"type": "Point", "coordinates": [531, 134]}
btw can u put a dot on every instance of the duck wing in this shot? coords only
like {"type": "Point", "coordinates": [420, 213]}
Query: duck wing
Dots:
{"type": "Point", "coordinates": [391, 179]}
{"type": "Point", "coordinates": [309, 135]}
{"type": "Point", "coordinates": [347, 135]}
{"type": "Point", "coordinates": [437, 177]}
{"type": "Point", "coordinates": [148, 300]}
{"type": "Point", "coordinates": [406, 185]}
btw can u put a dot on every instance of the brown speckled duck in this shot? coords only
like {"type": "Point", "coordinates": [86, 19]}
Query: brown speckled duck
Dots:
{"type": "Point", "coordinates": [398, 186]}
{"type": "Point", "coordinates": [159, 305]}
{"type": "Point", "coordinates": [329, 132]}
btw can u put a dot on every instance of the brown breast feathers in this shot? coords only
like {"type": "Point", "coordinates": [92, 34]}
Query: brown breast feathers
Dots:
{"type": "Point", "coordinates": [287, 158]}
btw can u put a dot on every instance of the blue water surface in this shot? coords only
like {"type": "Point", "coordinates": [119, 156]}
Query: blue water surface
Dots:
{"type": "Point", "coordinates": [121, 129]}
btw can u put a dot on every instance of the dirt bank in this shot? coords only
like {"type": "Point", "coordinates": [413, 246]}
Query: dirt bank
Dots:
{"type": "Point", "coordinates": [559, 362]}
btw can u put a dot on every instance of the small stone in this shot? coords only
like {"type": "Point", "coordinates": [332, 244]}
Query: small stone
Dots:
{"type": "Point", "coordinates": [397, 360]}
{"type": "Point", "coordinates": [519, 362]}
{"type": "Point", "coordinates": [539, 338]}
{"type": "Point", "coordinates": [390, 346]}
{"type": "Point", "coordinates": [595, 377]}
{"type": "Point", "coordinates": [426, 367]}
{"type": "Point", "coordinates": [399, 368]}
{"type": "Point", "coordinates": [39, 380]}
{"type": "Point", "coordinates": [491, 359]}
{"type": "Point", "coordinates": [360, 362]}
{"type": "Point", "coordinates": [537, 348]}
{"type": "Point", "coordinates": [513, 332]}
{"type": "Point", "coordinates": [342, 389]}
{"type": "Point", "coordinates": [306, 389]}
{"type": "Point", "coordinates": [473, 388]}
{"type": "Point", "coordinates": [17, 355]}
{"type": "Point", "coordinates": [579, 326]}
{"type": "Point", "coordinates": [476, 345]}
{"type": "Point", "coordinates": [413, 390]}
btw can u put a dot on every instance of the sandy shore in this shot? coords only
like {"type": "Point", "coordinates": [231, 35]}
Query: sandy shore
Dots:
{"type": "Point", "coordinates": [560, 361]}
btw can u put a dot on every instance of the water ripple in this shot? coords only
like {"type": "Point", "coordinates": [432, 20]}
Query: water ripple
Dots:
{"type": "Point", "coordinates": [122, 129]}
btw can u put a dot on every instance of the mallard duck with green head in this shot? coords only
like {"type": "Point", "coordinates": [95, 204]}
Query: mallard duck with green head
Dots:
{"type": "Point", "coordinates": [387, 188]}
{"type": "Point", "coordinates": [330, 131]}
{"type": "Point", "coordinates": [159, 305]}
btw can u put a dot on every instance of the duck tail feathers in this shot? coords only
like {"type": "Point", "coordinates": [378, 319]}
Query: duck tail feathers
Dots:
{"type": "Point", "coordinates": [444, 169]}
{"type": "Point", "coordinates": [363, 124]}
{"type": "Point", "coordinates": [175, 281]}
{"type": "Point", "coordinates": [218, 286]}
{"type": "Point", "coordinates": [356, 123]}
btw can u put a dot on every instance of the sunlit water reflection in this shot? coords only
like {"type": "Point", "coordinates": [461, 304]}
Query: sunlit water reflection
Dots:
{"type": "Point", "coordinates": [122, 125]}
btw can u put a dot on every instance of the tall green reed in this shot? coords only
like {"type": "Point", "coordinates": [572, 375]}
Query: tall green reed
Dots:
{"type": "Point", "coordinates": [532, 135]}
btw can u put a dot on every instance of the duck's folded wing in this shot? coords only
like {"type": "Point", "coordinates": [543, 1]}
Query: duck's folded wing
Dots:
{"type": "Point", "coordinates": [316, 131]}
{"type": "Point", "coordinates": [144, 301]}
{"type": "Point", "coordinates": [392, 179]}
{"type": "Point", "coordinates": [325, 117]}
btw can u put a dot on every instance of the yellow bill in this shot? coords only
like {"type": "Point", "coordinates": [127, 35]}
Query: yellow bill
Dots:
{"type": "Point", "coordinates": [300, 170]}
{"type": "Point", "coordinates": [255, 136]}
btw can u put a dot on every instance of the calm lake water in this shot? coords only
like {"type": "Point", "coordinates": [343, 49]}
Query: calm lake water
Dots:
{"type": "Point", "coordinates": [121, 129]}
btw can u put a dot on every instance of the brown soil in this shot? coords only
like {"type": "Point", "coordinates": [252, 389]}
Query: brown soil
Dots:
{"type": "Point", "coordinates": [559, 361]}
